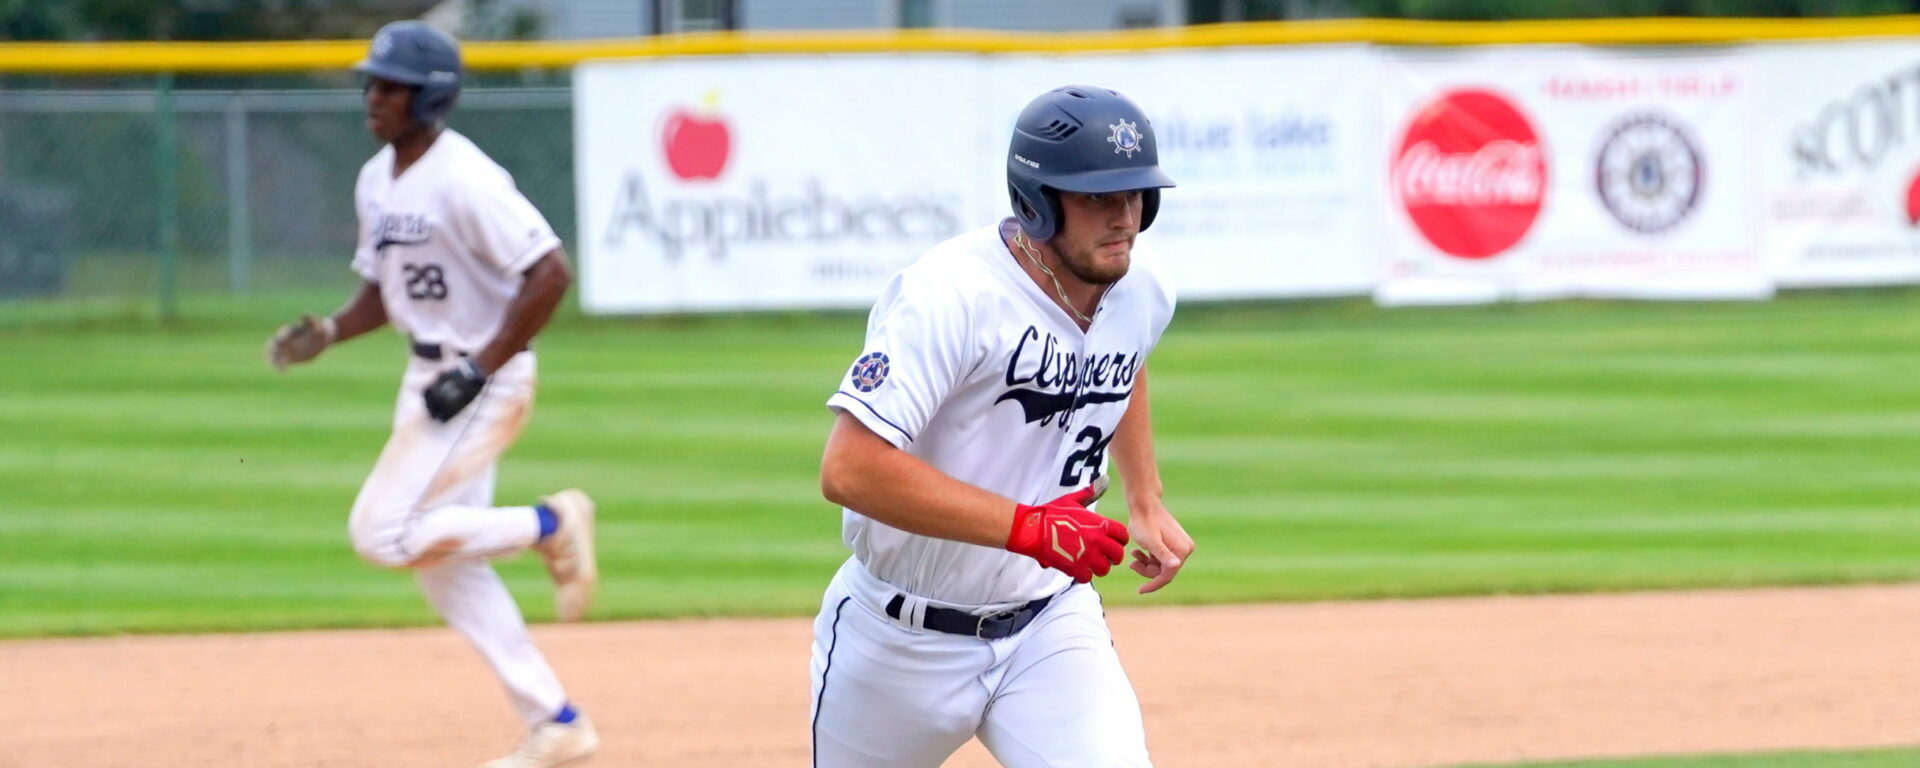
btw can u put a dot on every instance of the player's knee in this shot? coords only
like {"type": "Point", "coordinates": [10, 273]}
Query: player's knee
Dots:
{"type": "Point", "coordinates": [421, 550]}
{"type": "Point", "coordinates": [381, 554]}
{"type": "Point", "coordinates": [378, 547]}
{"type": "Point", "coordinates": [376, 534]}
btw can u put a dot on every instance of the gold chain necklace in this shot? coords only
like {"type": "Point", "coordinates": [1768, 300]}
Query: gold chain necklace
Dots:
{"type": "Point", "coordinates": [1020, 239]}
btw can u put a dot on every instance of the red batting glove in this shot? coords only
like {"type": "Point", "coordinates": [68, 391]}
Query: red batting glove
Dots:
{"type": "Point", "coordinates": [1066, 536]}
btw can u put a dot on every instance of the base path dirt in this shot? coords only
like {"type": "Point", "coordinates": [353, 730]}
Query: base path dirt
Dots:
{"type": "Point", "coordinates": [1391, 683]}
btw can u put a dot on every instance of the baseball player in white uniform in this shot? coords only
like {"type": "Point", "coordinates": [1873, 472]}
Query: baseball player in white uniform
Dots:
{"type": "Point", "coordinates": [971, 438]}
{"type": "Point", "coordinates": [456, 259]}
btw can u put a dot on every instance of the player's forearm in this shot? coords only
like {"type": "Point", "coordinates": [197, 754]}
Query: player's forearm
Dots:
{"type": "Point", "coordinates": [544, 284]}
{"type": "Point", "coordinates": [362, 313]}
{"type": "Point", "coordinates": [1133, 448]}
{"type": "Point", "coordinates": [865, 473]}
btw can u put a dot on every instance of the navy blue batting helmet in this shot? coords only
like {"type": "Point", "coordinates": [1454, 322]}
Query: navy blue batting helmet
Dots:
{"type": "Point", "coordinates": [413, 53]}
{"type": "Point", "coordinates": [1079, 138]}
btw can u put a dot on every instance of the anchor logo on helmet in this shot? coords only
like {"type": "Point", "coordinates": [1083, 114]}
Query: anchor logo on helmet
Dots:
{"type": "Point", "coordinates": [1057, 146]}
{"type": "Point", "coordinates": [1125, 138]}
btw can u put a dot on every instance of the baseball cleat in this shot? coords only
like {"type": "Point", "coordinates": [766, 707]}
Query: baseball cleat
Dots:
{"type": "Point", "coordinates": [552, 745]}
{"type": "Point", "coordinates": [570, 555]}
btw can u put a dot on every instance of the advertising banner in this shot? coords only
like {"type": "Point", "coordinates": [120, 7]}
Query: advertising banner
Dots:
{"type": "Point", "coordinates": [737, 183]}
{"type": "Point", "coordinates": [1419, 175]}
{"type": "Point", "coordinates": [1546, 172]}
{"type": "Point", "coordinates": [713, 184]}
{"type": "Point", "coordinates": [1839, 146]}
{"type": "Point", "coordinates": [1272, 150]}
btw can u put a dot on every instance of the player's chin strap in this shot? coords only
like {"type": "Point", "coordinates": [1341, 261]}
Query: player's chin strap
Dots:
{"type": "Point", "coordinates": [1026, 246]}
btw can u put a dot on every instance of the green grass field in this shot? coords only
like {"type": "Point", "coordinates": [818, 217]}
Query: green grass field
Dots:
{"type": "Point", "coordinates": [162, 479]}
{"type": "Point", "coordinates": [1883, 758]}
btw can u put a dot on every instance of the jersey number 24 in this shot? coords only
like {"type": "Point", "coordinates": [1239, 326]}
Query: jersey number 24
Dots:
{"type": "Point", "coordinates": [1090, 452]}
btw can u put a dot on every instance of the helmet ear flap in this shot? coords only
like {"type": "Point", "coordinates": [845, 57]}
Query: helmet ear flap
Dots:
{"type": "Point", "coordinates": [1149, 205]}
{"type": "Point", "coordinates": [1041, 217]}
{"type": "Point", "coordinates": [419, 109]}
{"type": "Point", "coordinates": [1050, 197]}
{"type": "Point", "coordinates": [430, 103]}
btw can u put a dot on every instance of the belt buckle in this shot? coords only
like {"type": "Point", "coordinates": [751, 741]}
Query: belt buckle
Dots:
{"type": "Point", "coordinates": [1008, 617]}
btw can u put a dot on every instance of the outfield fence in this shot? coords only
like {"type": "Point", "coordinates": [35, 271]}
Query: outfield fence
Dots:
{"type": "Point", "coordinates": [126, 191]}
{"type": "Point", "coordinates": [146, 195]}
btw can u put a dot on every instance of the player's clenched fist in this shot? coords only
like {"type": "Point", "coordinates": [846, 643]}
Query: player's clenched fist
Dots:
{"type": "Point", "coordinates": [1066, 536]}
{"type": "Point", "coordinates": [299, 341]}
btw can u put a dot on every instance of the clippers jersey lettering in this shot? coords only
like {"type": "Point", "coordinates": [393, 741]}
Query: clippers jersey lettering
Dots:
{"type": "Point", "coordinates": [971, 368]}
{"type": "Point", "coordinates": [447, 241]}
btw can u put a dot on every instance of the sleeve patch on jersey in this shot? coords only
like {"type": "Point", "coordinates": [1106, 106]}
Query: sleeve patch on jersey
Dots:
{"type": "Point", "coordinates": [870, 371]}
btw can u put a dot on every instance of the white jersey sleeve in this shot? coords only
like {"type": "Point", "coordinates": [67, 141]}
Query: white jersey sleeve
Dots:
{"type": "Point", "coordinates": [488, 213]}
{"type": "Point", "coordinates": [919, 347]}
{"type": "Point", "coordinates": [368, 219]}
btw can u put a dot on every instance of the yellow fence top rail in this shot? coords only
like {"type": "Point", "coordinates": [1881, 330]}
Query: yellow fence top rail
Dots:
{"type": "Point", "coordinates": [298, 55]}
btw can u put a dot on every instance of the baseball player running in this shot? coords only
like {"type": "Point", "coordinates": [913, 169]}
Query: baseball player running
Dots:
{"type": "Point", "coordinates": [969, 445]}
{"type": "Point", "coordinates": [457, 260]}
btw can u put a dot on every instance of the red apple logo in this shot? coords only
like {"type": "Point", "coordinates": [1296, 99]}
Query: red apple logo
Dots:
{"type": "Point", "coordinates": [696, 142]}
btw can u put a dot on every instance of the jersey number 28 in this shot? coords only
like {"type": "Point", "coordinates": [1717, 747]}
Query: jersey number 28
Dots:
{"type": "Point", "coordinates": [1090, 453]}
{"type": "Point", "coordinates": [425, 281]}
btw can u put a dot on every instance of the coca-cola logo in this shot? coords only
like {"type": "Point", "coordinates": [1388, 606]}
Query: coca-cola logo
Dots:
{"type": "Point", "coordinates": [1471, 173]}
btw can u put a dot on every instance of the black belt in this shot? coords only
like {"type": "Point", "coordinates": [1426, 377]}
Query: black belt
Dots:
{"type": "Point", "coordinates": [427, 351]}
{"type": "Point", "coordinates": [990, 627]}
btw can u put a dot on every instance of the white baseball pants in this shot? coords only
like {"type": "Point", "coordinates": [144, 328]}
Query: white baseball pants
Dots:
{"type": "Point", "coordinates": [889, 693]}
{"type": "Point", "coordinates": [428, 506]}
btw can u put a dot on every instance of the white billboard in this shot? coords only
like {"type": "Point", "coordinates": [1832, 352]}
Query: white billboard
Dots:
{"type": "Point", "coordinates": [1419, 175]}
{"type": "Point", "coordinates": [1272, 150]}
{"type": "Point", "coordinates": [1840, 149]}
{"type": "Point", "coordinates": [740, 183]}
{"type": "Point", "coordinates": [736, 183]}
{"type": "Point", "coordinates": [1549, 171]}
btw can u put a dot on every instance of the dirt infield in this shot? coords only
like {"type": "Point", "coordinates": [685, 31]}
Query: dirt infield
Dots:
{"type": "Point", "coordinates": [1397, 683]}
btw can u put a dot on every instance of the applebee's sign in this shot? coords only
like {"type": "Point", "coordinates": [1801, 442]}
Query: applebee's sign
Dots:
{"type": "Point", "coordinates": [700, 213]}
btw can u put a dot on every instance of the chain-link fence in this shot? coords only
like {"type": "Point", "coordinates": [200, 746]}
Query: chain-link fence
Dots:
{"type": "Point", "coordinates": [144, 202]}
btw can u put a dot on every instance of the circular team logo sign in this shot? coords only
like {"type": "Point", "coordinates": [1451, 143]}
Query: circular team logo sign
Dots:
{"type": "Point", "coordinates": [1471, 173]}
{"type": "Point", "coordinates": [870, 371]}
{"type": "Point", "coordinates": [1649, 174]}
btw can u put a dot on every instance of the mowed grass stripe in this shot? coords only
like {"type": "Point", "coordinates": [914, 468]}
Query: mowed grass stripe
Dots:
{"type": "Point", "coordinates": [161, 479]}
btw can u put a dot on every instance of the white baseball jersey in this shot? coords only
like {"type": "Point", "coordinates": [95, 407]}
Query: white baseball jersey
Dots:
{"type": "Point", "coordinates": [447, 241]}
{"type": "Point", "coordinates": [974, 369]}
